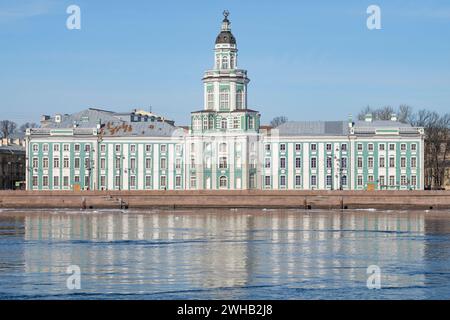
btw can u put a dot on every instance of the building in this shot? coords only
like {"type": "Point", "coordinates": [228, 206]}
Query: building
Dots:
{"type": "Point", "coordinates": [12, 166]}
{"type": "Point", "coordinates": [225, 147]}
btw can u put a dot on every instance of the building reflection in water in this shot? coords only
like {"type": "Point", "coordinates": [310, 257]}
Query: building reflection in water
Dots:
{"type": "Point", "coordinates": [155, 252]}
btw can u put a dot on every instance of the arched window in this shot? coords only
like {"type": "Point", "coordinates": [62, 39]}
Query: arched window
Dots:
{"type": "Point", "coordinates": [232, 62]}
{"type": "Point", "coordinates": [239, 99]}
{"type": "Point", "coordinates": [223, 123]}
{"type": "Point", "coordinates": [225, 62]}
{"type": "Point", "coordinates": [223, 182]}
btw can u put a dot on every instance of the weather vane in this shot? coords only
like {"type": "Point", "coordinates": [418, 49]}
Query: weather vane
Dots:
{"type": "Point", "coordinates": [226, 13]}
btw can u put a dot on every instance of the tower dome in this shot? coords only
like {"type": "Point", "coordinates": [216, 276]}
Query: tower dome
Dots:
{"type": "Point", "coordinates": [225, 36]}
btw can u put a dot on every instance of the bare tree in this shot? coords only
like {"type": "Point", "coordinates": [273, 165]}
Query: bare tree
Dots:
{"type": "Point", "coordinates": [7, 128]}
{"type": "Point", "coordinates": [277, 121]}
{"type": "Point", "coordinates": [27, 125]}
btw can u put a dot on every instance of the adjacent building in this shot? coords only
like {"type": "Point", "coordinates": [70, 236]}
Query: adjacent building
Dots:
{"type": "Point", "coordinates": [225, 147]}
{"type": "Point", "coordinates": [12, 164]}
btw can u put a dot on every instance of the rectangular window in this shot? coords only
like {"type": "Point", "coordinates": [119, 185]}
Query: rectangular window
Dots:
{"type": "Point", "coordinates": [298, 147]}
{"type": "Point", "coordinates": [403, 180]}
{"type": "Point", "coordinates": [178, 164]}
{"type": "Point", "coordinates": [403, 162]}
{"type": "Point", "coordinates": [77, 148]}
{"type": "Point", "coordinates": [162, 181]}
{"type": "Point", "coordinates": [178, 181]}
{"type": "Point", "coordinates": [66, 181]}
{"type": "Point", "coordinates": [76, 163]}
{"type": "Point", "coordinates": [298, 181]}
{"type": "Point", "coordinates": [148, 182]}
{"type": "Point", "coordinates": [298, 163]}
{"type": "Point", "coordinates": [360, 181]}
{"type": "Point", "coordinates": [87, 148]}
{"type": "Point", "coordinates": [178, 148]}
{"type": "Point", "coordinates": [343, 163]}
{"type": "Point", "coordinates": [360, 162]}
{"type": "Point", "coordinates": [45, 163]}
{"type": "Point", "coordinates": [56, 181]}
{"type": "Point", "coordinates": [103, 181]}
{"type": "Point", "coordinates": [392, 146]}
{"type": "Point", "coordinates": [344, 180]}
{"type": "Point", "coordinates": [382, 182]}
{"type": "Point", "coordinates": [45, 148]}
{"type": "Point", "coordinates": [102, 163]}
{"type": "Point", "coordinates": [132, 181]}
{"type": "Point", "coordinates": [283, 181]}
{"type": "Point", "coordinates": [413, 147]}
{"type": "Point", "coordinates": [267, 163]}
{"type": "Point", "coordinates": [403, 147]}
{"type": "Point", "coordinates": [413, 162]}
{"type": "Point", "coordinates": [132, 163]}
{"type": "Point", "coordinates": [87, 181]}
{"type": "Point", "coordinates": [148, 163]}
{"type": "Point", "coordinates": [117, 147]}
{"type": "Point", "coordinates": [313, 147]}
{"type": "Point", "coordinates": [77, 179]}
{"type": "Point", "coordinates": [370, 179]}
{"type": "Point", "coordinates": [329, 162]}
{"type": "Point", "coordinates": [35, 181]}
{"type": "Point", "coordinates": [87, 163]}
{"type": "Point", "coordinates": [313, 180]}
{"type": "Point", "coordinates": [45, 181]}
{"type": "Point", "coordinates": [56, 147]}
{"type": "Point", "coordinates": [193, 182]}
{"type": "Point", "coordinates": [283, 163]}
{"type": "Point", "coordinates": [117, 182]}
{"type": "Point", "coordinates": [382, 162]}
{"type": "Point", "coordinates": [328, 147]}
{"type": "Point", "coordinates": [56, 163]}
{"type": "Point", "coordinates": [163, 148]}
{"type": "Point", "coordinates": [413, 181]}
{"type": "Point", "coordinates": [267, 181]}
{"type": "Point", "coordinates": [133, 148]}
{"type": "Point", "coordinates": [360, 147]}
{"type": "Point", "coordinates": [344, 147]}
{"type": "Point", "coordinates": [148, 148]}
{"type": "Point", "coordinates": [370, 162]}
{"type": "Point", "coordinates": [103, 148]}
{"type": "Point", "coordinates": [282, 147]}
{"type": "Point", "coordinates": [267, 147]}
{"type": "Point", "coordinates": [381, 147]}
{"type": "Point", "coordinates": [370, 147]}
{"type": "Point", "coordinates": [391, 162]}
{"type": "Point", "coordinates": [328, 180]}
{"type": "Point", "coordinates": [224, 99]}
{"type": "Point", "coordinates": [313, 162]}
{"type": "Point", "coordinates": [66, 147]}
{"type": "Point", "coordinates": [35, 147]}
{"type": "Point", "coordinates": [163, 164]}
{"type": "Point", "coordinates": [391, 180]}
{"type": "Point", "coordinates": [223, 163]}
{"type": "Point", "coordinates": [35, 162]}
{"type": "Point", "coordinates": [117, 166]}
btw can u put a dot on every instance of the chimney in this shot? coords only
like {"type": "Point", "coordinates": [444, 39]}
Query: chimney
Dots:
{"type": "Point", "coordinates": [350, 121]}
{"type": "Point", "coordinates": [368, 117]}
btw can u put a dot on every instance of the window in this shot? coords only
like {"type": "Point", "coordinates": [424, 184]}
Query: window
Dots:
{"type": "Point", "coordinates": [87, 163]}
{"type": "Point", "coordinates": [413, 180]}
{"type": "Point", "coordinates": [35, 147]}
{"type": "Point", "coordinates": [192, 162]}
{"type": "Point", "coordinates": [117, 182]}
{"type": "Point", "coordinates": [235, 123]}
{"type": "Point", "coordinates": [403, 180]}
{"type": "Point", "coordinates": [382, 182]}
{"type": "Point", "coordinates": [102, 163]}
{"type": "Point", "coordinates": [360, 147]}
{"type": "Point", "coordinates": [298, 163]}
{"type": "Point", "coordinates": [344, 147]}
{"type": "Point", "coordinates": [87, 148]}
{"type": "Point", "coordinates": [381, 147]}
{"type": "Point", "coordinates": [35, 162]}
{"type": "Point", "coordinates": [392, 180]}
{"type": "Point", "coordinates": [283, 163]}
{"type": "Point", "coordinates": [35, 181]}
{"type": "Point", "coordinates": [223, 182]}
{"type": "Point", "coordinates": [103, 181]}
{"type": "Point", "coordinates": [313, 162]}
{"type": "Point", "coordinates": [87, 181]}
{"type": "Point", "coordinates": [344, 180]}
{"type": "Point", "coordinates": [178, 181]}
{"type": "Point", "coordinates": [55, 163]}
{"type": "Point", "coordinates": [239, 99]}
{"type": "Point", "coordinates": [314, 180]}
{"type": "Point", "coordinates": [77, 147]}
{"type": "Point", "coordinates": [178, 148]}
{"type": "Point", "coordinates": [56, 181]}
{"type": "Point", "coordinates": [267, 147]}
{"type": "Point", "coordinates": [148, 182]}
{"type": "Point", "coordinates": [65, 181]}
{"type": "Point", "coordinates": [360, 162]}
{"type": "Point", "coordinates": [193, 182]}
{"type": "Point", "coordinates": [370, 147]}
{"type": "Point", "coordinates": [162, 181]}
{"type": "Point", "coordinates": [370, 179]}
{"type": "Point", "coordinates": [225, 62]}
{"type": "Point", "coordinates": [223, 163]}
{"type": "Point", "coordinates": [223, 123]}
{"type": "Point", "coordinates": [232, 61]}
{"type": "Point", "coordinates": [343, 163]}
{"type": "Point", "coordinates": [267, 181]}
{"type": "Point", "coordinates": [77, 179]}
{"type": "Point", "coordinates": [403, 162]}
{"type": "Point", "coordinates": [210, 97]}
{"type": "Point", "coordinates": [117, 147]}
{"type": "Point", "coordinates": [328, 180]}
{"type": "Point", "coordinates": [163, 164]}
{"type": "Point", "coordinates": [267, 163]}
{"type": "Point", "coordinates": [413, 147]}
{"type": "Point", "coordinates": [148, 148]}
{"type": "Point", "coordinates": [76, 163]}
{"type": "Point", "coordinates": [103, 148]}
{"type": "Point", "coordinates": [313, 147]}
{"type": "Point", "coordinates": [45, 148]}
{"type": "Point", "coordinates": [370, 162]}
{"type": "Point", "coordinates": [178, 163]}
{"type": "Point", "coordinates": [163, 148]}
{"type": "Point", "coordinates": [133, 148]}
{"type": "Point", "coordinates": [403, 147]}
{"type": "Point", "coordinates": [118, 160]}
{"type": "Point", "coordinates": [224, 99]}
{"type": "Point", "coordinates": [282, 147]}
{"type": "Point", "coordinates": [360, 181]}
{"type": "Point", "coordinates": [329, 162]}
{"type": "Point", "coordinates": [66, 147]}
{"type": "Point", "coordinates": [45, 163]}
{"type": "Point", "coordinates": [391, 162]}
{"type": "Point", "coordinates": [382, 162]}
{"type": "Point", "coordinates": [133, 163]}
{"type": "Point", "coordinates": [298, 147]}
{"type": "Point", "coordinates": [391, 146]}
{"type": "Point", "coordinates": [132, 181]}
{"type": "Point", "coordinates": [413, 162]}
{"type": "Point", "coordinates": [298, 181]}
{"type": "Point", "coordinates": [283, 181]}
{"type": "Point", "coordinates": [328, 146]}
{"type": "Point", "coordinates": [56, 147]}
{"type": "Point", "coordinates": [45, 181]}
{"type": "Point", "coordinates": [251, 123]}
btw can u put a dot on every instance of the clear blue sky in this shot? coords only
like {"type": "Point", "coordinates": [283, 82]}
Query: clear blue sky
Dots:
{"type": "Point", "coordinates": [307, 60]}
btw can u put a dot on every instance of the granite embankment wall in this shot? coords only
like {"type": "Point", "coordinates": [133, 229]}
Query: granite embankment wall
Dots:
{"type": "Point", "coordinates": [227, 199]}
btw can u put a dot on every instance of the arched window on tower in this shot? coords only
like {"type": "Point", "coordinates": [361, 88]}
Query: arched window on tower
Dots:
{"type": "Point", "coordinates": [224, 99]}
{"type": "Point", "coordinates": [217, 61]}
{"type": "Point", "coordinates": [240, 99]}
{"type": "Point", "coordinates": [232, 62]}
{"type": "Point", "coordinates": [210, 96]}
{"type": "Point", "coordinates": [225, 62]}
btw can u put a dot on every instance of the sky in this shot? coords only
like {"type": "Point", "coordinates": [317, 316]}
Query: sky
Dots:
{"type": "Point", "coordinates": [307, 60]}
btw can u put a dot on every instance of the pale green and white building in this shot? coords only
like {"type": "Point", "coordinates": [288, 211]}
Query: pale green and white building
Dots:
{"type": "Point", "coordinates": [225, 147]}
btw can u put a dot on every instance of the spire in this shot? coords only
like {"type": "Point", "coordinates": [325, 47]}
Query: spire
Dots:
{"type": "Point", "coordinates": [226, 22]}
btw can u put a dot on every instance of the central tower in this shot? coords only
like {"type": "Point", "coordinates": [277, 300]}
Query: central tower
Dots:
{"type": "Point", "coordinates": [225, 86]}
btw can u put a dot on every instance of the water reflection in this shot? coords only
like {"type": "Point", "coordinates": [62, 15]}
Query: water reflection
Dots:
{"type": "Point", "coordinates": [243, 254]}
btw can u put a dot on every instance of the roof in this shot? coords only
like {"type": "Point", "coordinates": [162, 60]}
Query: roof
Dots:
{"type": "Point", "coordinates": [313, 128]}
{"type": "Point", "coordinates": [12, 149]}
{"type": "Point", "coordinates": [381, 124]}
{"type": "Point", "coordinates": [225, 37]}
